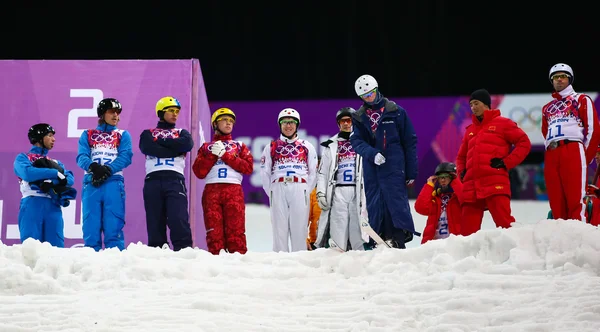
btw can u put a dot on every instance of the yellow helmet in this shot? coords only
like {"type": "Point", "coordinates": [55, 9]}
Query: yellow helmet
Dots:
{"type": "Point", "coordinates": [219, 112]}
{"type": "Point", "coordinates": [165, 102]}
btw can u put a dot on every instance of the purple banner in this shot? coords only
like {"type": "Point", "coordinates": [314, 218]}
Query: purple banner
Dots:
{"type": "Point", "coordinates": [65, 94]}
{"type": "Point", "coordinates": [437, 122]}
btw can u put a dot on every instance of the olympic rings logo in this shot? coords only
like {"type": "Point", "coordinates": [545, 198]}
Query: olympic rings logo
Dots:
{"type": "Point", "coordinates": [560, 106]}
{"type": "Point", "coordinates": [160, 133]}
{"type": "Point", "coordinates": [374, 117]}
{"type": "Point", "coordinates": [101, 137]}
{"type": "Point", "coordinates": [289, 150]}
{"type": "Point", "coordinates": [345, 148]}
{"type": "Point", "coordinates": [526, 119]}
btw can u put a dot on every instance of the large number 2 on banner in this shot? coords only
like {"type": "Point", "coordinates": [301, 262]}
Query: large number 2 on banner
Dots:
{"type": "Point", "coordinates": [165, 161]}
{"type": "Point", "coordinates": [558, 134]}
{"type": "Point", "coordinates": [76, 113]}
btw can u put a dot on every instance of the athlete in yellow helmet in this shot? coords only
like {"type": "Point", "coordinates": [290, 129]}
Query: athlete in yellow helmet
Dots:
{"type": "Point", "coordinates": [165, 195]}
{"type": "Point", "coordinates": [222, 163]}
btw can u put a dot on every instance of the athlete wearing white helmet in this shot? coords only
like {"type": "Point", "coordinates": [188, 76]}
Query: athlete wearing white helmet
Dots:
{"type": "Point", "coordinates": [570, 128]}
{"type": "Point", "coordinates": [288, 172]}
{"type": "Point", "coordinates": [385, 138]}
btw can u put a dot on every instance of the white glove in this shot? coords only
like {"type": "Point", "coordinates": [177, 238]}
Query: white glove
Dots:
{"type": "Point", "coordinates": [322, 201]}
{"type": "Point", "coordinates": [379, 159]}
{"type": "Point", "coordinates": [218, 149]}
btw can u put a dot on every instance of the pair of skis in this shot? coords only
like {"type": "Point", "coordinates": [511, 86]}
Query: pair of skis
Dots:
{"type": "Point", "coordinates": [366, 227]}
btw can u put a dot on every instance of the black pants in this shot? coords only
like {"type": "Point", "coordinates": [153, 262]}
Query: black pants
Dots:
{"type": "Point", "coordinates": [389, 232]}
{"type": "Point", "coordinates": [166, 204]}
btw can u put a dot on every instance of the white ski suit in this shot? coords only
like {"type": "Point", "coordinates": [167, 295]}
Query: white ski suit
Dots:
{"type": "Point", "coordinates": [340, 178]}
{"type": "Point", "coordinates": [289, 173]}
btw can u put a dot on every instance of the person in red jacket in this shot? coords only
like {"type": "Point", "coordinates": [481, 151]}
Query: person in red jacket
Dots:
{"type": "Point", "coordinates": [570, 128]}
{"type": "Point", "coordinates": [439, 200]}
{"type": "Point", "coordinates": [483, 162]}
{"type": "Point", "coordinates": [222, 163]}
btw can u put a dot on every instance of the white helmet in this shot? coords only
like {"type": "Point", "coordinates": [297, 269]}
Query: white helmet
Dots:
{"type": "Point", "coordinates": [564, 68]}
{"type": "Point", "coordinates": [288, 113]}
{"type": "Point", "coordinates": [364, 84]}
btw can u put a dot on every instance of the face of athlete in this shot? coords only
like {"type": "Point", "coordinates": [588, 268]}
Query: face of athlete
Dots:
{"type": "Point", "coordinates": [225, 124]}
{"type": "Point", "coordinates": [48, 141]}
{"type": "Point", "coordinates": [478, 107]}
{"type": "Point", "coordinates": [345, 124]}
{"type": "Point", "coordinates": [560, 80]}
{"type": "Point", "coordinates": [288, 126]}
{"type": "Point", "coordinates": [112, 116]}
{"type": "Point", "coordinates": [171, 114]}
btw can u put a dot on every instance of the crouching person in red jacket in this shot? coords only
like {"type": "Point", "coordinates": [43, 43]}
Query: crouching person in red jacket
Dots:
{"type": "Point", "coordinates": [440, 200]}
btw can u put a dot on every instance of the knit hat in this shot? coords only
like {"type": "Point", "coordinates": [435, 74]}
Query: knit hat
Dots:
{"type": "Point", "coordinates": [483, 96]}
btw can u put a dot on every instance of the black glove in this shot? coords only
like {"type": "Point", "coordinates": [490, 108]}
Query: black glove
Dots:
{"type": "Point", "coordinates": [101, 174]}
{"type": "Point", "coordinates": [462, 174]}
{"type": "Point", "coordinates": [312, 246]}
{"type": "Point", "coordinates": [48, 163]}
{"type": "Point", "coordinates": [45, 186]}
{"type": "Point", "coordinates": [94, 167]}
{"type": "Point", "coordinates": [497, 163]}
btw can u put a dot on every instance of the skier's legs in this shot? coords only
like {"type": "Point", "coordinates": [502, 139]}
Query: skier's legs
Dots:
{"type": "Point", "coordinates": [154, 204]}
{"type": "Point", "coordinates": [574, 172]}
{"type": "Point", "coordinates": [213, 217]}
{"type": "Point", "coordinates": [298, 198]}
{"type": "Point", "coordinates": [355, 234]}
{"type": "Point", "coordinates": [113, 214]}
{"type": "Point", "coordinates": [92, 201]}
{"type": "Point", "coordinates": [280, 214]}
{"type": "Point", "coordinates": [176, 204]}
{"type": "Point", "coordinates": [31, 218]}
{"type": "Point", "coordinates": [234, 212]}
{"type": "Point", "coordinates": [554, 184]}
{"type": "Point", "coordinates": [54, 224]}
{"type": "Point", "coordinates": [338, 219]}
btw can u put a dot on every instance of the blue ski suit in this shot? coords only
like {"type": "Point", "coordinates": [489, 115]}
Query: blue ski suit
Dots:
{"type": "Point", "coordinates": [40, 214]}
{"type": "Point", "coordinates": [385, 185]}
{"type": "Point", "coordinates": [104, 206]}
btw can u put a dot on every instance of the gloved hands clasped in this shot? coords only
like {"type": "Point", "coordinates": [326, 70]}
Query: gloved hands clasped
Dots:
{"type": "Point", "coordinates": [100, 173]}
{"type": "Point", "coordinates": [497, 163]}
{"type": "Point", "coordinates": [218, 149]}
{"type": "Point", "coordinates": [59, 184]}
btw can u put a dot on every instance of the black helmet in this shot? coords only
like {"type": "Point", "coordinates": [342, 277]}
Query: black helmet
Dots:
{"type": "Point", "coordinates": [107, 104]}
{"type": "Point", "coordinates": [445, 167]}
{"type": "Point", "coordinates": [344, 111]}
{"type": "Point", "coordinates": [38, 131]}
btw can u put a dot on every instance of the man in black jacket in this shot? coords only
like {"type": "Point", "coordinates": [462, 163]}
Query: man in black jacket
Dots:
{"type": "Point", "coordinates": [165, 194]}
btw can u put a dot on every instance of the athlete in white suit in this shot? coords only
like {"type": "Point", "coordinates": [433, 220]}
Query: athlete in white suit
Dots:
{"type": "Point", "coordinates": [340, 189]}
{"type": "Point", "coordinates": [288, 172]}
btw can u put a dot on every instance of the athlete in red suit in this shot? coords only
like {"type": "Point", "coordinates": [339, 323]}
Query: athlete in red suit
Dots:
{"type": "Point", "coordinates": [593, 192]}
{"type": "Point", "coordinates": [570, 127]}
{"type": "Point", "coordinates": [222, 163]}
{"type": "Point", "coordinates": [483, 161]}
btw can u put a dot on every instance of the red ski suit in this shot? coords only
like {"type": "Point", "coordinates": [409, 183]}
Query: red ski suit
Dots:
{"type": "Point", "coordinates": [223, 201]}
{"type": "Point", "coordinates": [485, 187]}
{"type": "Point", "coordinates": [429, 204]}
{"type": "Point", "coordinates": [571, 131]}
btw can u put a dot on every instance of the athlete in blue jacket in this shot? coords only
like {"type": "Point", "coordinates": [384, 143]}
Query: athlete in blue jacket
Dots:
{"type": "Point", "coordinates": [384, 136]}
{"type": "Point", "coordinates": [165, 194]}
{"type": "Point", "coordinates": [45, 186]}
{"type": "Point", "coordinates": [103, 153]}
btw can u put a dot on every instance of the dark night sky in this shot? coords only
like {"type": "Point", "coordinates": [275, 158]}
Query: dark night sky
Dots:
{"type": "Point", "coordinates": [315, 50]}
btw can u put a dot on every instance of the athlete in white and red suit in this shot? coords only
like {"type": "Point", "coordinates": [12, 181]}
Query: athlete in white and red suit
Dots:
{"type": "Point", "coordinates": [289, 174]}
{"type": "Point", "coordinates": [222, 163]}
{"type": "Point", "coordinates": [570, 127]}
